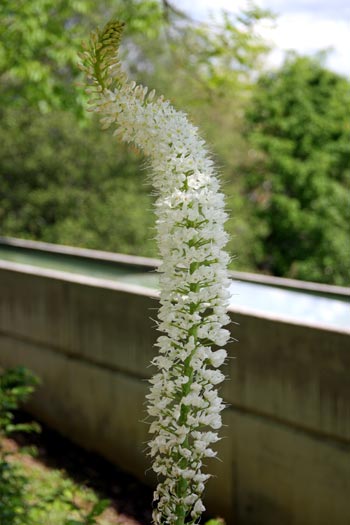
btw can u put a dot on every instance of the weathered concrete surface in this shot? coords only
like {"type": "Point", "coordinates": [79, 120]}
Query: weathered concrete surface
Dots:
{"type": "Point", "coordinates": [285, 476]}
{"type": "Point", "coordinates": [67, 316]}
{"type": "Point", "coordinates": [94, 406]}
{"type": "Point", "coordinates": [72, 251]}
{"type": "Point", "coordinates": [286, 455]}
{"type": "Point", "coordinates": [297, 374]}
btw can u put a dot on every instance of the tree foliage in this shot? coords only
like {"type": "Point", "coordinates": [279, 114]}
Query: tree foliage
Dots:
{"type": "Point", "coordinates": [40, 42]}
{"type": "Point", "coordinates": [299, 126]}
{"type": "Point", "coordinates": [66, 184]}
{"type": "Point", "coordinates": [284, 177]}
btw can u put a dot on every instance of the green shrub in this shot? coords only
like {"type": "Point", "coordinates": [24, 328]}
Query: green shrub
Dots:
{"type": "Point", "coordinates": [16, 386]}
{"type": "Point", "coordinates": [26, 498]}
{"type": "Point", "coordinates": [299, 176]}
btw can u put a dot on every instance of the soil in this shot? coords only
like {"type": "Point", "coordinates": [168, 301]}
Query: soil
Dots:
{"type": "Point", "coordinates": [131, 500]}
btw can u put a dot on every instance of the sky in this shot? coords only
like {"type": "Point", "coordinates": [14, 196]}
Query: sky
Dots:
{"type": "Point", "coordinates": [303, 25]}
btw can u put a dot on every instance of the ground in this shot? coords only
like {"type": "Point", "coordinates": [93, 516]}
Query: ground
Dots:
{"type": "Point", "coordinates": [59, 463]}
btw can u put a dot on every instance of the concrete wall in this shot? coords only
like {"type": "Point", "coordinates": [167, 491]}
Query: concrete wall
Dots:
{"type": "Point", "coordinates": [286, 451]}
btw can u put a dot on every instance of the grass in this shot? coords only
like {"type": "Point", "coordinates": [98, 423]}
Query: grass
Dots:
{"type": "Point", "coordinates": [66, 483]}
{"type": "Point", "coordinates": [53, 497]}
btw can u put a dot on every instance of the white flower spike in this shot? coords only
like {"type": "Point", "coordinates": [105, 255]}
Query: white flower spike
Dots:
{"type": "Point", "coordinates": [183, 401]}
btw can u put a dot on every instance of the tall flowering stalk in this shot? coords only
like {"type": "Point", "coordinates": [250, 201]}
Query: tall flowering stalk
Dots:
{"type": "Point", "coordinates": [183, 401]}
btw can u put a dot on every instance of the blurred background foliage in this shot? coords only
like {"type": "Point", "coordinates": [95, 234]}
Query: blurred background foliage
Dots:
{"type": "Point", "coordinates": [279, 137]}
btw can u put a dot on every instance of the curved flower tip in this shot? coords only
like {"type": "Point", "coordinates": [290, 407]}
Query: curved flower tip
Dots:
{"type": "Point", "coordinates": [99, 60]}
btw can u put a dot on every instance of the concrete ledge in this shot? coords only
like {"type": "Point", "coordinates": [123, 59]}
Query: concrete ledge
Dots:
{"type": "Point", "coordinates": [60, 249]}
{"type": "Point", "coordinates": [147, 263]}
{"type": "Point", "coordinates": [77, 278]}
{"type": "Point", "coordinates": [293, 284]}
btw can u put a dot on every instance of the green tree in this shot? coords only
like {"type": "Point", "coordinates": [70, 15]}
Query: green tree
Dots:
{"type": "Point", "coordinates": [41, 39]}
{"type": "Point", "coordinates": [65, 184]}
{"type": "Point", "coordinates": [298, 179]}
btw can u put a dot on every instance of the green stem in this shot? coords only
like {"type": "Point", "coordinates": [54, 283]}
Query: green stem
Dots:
{"type": "Point", "coordinates": [182, 484]}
